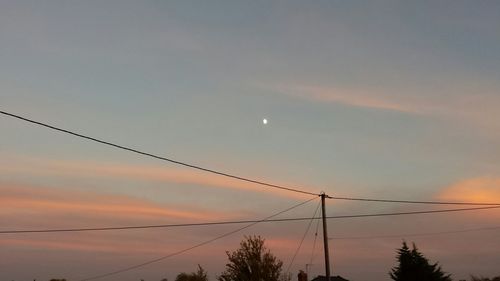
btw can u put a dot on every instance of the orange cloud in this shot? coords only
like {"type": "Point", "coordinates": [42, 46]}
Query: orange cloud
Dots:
{"type": "Point", "coordinates": [30, 207]}
{"type": "Point", "coordinates": [485, 189]}
{"type": "Point", "coordinates": [142, 172]}
{"type": "Point", "coordinates": [17, 200]}
{"type": "Point", "coordinates": [150, 242]}
{"type": "Point", "coordinates": [87, 246]}
{"type": "Point", "coordinates": [282, 244]}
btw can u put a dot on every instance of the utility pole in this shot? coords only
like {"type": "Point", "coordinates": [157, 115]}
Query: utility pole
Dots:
{"type": "Point", "coordinates": [325, 238]}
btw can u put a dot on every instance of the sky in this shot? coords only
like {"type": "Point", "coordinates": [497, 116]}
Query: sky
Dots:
{"type": "Point", "coordinates": [378, 99]}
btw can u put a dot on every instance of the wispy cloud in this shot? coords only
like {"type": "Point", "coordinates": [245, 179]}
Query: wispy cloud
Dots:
{"type": "Point", "coordinates": [469, 101]}
{"type": "Point", "coordinates": [38, 207]}
{"type": "Point", "coordinates": [92, 245]}
{"type": "Point", "coordinates": [353, 97]}
{"type": "Point", "coordinates": [62, 204]}
{"type": "Point", "coordinates": [139, 172]}
{"type": "Point", "coordinates": [475, 106]}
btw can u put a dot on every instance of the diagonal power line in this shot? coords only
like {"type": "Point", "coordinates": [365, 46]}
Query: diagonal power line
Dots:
{"type": "Point", "coordinates": [193, 247]}
{"type": "Point", "coordinates": [314, 242]}
{"type": "Point", "coordinates": [133, 150]}
{"type": "Point", "coordinates": [24, 231]}
{"type": "Point", "coordinates": [303, 237]}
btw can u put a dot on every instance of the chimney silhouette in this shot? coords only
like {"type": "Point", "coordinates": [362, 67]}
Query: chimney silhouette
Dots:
{"type": "Point", "coordinates": [302, 276]}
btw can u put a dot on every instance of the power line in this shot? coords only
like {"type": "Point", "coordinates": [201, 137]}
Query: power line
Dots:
{"type": "Point", "coordinates": [413, 234]}
{"type": "Point", "coordinates": [303, 237]}
{"type": "Point", "coordinates": [259, 182]}
{"type": "Point", "coordinates": [242, 221]}
{"type": "Point", "coordinates": [314, 243]}
{"type": "Point", "coordinates": [193, 247]}
{"type": "Point", "coordinates": [411, 201]}
{"type": "Point", "coordinates": [412, 213]}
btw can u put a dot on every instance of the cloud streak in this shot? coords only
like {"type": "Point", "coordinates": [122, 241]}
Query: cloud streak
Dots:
{"type": "Point", "coordinates": [354, 97]}
{"type": "Point", "coordinates": [475, 104]}
{"type": "Point", "coordinates": [36, 207]}
{"type": "Point", "coordinates": [74, 207]}
{"type": "Point", "coordinates": [139, 172]}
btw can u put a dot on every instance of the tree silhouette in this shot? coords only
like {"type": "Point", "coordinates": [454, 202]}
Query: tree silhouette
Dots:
{"type": "Point", "coordinates": [199, 275]}
{"type": "Point", "coordinates": [413, 266]}
{"type": "Point", "coordinates": [252, 262]}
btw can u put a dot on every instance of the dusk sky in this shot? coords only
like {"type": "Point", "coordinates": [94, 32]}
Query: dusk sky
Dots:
{"type": "Point", "coordinates": [373, 99]}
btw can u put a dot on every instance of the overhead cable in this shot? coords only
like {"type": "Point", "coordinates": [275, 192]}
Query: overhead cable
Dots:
{"type": "Point", "coordinates": [413, 234]}
{"type": "Point", "coordinates": [259, 182]}
{"type": "Point", "coordinates": [27, 231]}
{"type": "Point", "coordinates": [314, 242]}
{"type": "Point", "coordinates": [412, 201]}
{"type": "Point", "coordinates": [302, 240]}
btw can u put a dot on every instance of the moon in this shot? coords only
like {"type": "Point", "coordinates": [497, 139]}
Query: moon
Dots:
{"type": "Point", "coordinates": [264, 121]}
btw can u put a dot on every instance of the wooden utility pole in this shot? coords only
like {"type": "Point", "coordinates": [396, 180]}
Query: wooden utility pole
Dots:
{"type": "Point", "coordinates": [325, 238]}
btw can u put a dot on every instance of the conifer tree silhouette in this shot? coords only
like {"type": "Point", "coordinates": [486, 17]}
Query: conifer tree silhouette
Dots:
{"type": "Point", "coordinates": [414, 266]}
